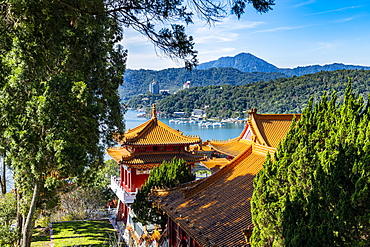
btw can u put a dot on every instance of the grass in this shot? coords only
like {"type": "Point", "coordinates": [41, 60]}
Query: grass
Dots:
{"type": "Point", "coordinates": [41, 237]}
{"type": "Point", "coordinates": [92, 233]}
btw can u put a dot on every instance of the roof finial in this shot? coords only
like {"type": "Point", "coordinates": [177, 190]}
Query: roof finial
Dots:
{"type": "Point", "coordinates": [154, 111]}
{"type": "Point", "coordinates": [253, 110]}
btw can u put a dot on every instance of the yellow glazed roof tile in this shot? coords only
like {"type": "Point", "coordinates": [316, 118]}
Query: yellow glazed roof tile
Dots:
{"type": "Point", "coordinates": [221, 208]}
{"type": "Point", "coordinates": [270, 129]}
{"type": "Point", "coordinates": [155, 158]}
{"type": "Point", "coordinates": [232, 147]}
{"type": "Point", "coordinates": [118, 153]}
{"type": "Point", "coordinates": [155, 132]}
{"type": "Point", "coordinates": [215, 164]}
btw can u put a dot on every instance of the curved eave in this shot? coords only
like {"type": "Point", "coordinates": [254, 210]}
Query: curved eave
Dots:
{"type": "Point", "coordinates": [135, 132]}
{"type": "Point", "coordinates": [118, 153]}
{"type": "Point", "coordinates": [155, 132]}
{"type": "Point", "coordinates": [157, 158]}
{"type": "Point", "coordinates": [161, 144]}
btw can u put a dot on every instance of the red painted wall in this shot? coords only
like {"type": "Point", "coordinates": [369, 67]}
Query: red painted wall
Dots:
{"type": "Point", "coordinates": [122, 175]}
{"type": "Point", "coordinates": [137, 180]}
{"type": "Point", "coordinates": [176, 234]}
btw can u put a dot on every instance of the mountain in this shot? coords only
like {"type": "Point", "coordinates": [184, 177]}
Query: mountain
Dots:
{"type": "Point", "coordinates": [247, 62]}
{"type": "Point", "coordinates": [137, 81]}
{"type": "Point", "coordinates": [244, 62]}
{"type": "Point", "coordinates": [298, 71]}
{"type": "Point", "coordinates": [241, 69]}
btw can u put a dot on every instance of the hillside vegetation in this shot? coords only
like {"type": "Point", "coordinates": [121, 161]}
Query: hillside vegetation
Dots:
{"type": "Point", "coordinates": [283, 95]}
{"type": "Point", "coordinates": [137, 81]}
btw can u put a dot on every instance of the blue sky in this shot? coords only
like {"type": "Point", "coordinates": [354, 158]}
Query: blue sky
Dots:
{"type": "Point", "coordinates": [294, 33]}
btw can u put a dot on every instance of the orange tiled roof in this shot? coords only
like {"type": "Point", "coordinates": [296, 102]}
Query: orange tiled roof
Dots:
{"type": "Point", "coordinates": [216, 209]}
{"type": "Point", "coordinates": [232, 147]}
{"type": "Point", "coordinates": [267, 129]}
{"type": "Point", "coordinates": [155, 132]}
{"type": "Point", "coordinates": [270, 129]}
{"type": "Point", "coordinates": [201, 148]}
{"type": "Point", "coordinates": [118, 153]}
{"type": "Point", "coordinates": [148, 160]}
{"type": "Point", "coordinates": [215, 164]}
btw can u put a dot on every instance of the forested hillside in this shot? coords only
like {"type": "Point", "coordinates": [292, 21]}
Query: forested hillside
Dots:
{"type": "Point", "coordinates": [284, 95]}
{"type": "Point", "coordinates": [137, 81]}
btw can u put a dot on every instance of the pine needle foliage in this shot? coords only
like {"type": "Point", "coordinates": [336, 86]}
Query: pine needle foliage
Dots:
{"type": "Point", "coordinates": [315, 192]}
{"type": "Point", "coordinates": [169, 174]}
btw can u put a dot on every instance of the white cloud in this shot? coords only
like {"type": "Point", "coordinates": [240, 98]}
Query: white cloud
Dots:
{"type": "Point", "coordinates": [336, 10]}
{"type": "Point", "coordinates": [279, 29]}
{"type": "Point", "coordinates": [326, 45]}
{"type": "Point", "coordinates": [305, 3]}
{"type": "Point", "coordinates": [345, 19]}
{"type": "Point", "coordinates": [226, 31]}
{"type": "Point", "coordinates": [216, 36]}
{"type": "Point", "coordinates": [150, 60]}
{"type": "Point", "coordinates": [323, 46]}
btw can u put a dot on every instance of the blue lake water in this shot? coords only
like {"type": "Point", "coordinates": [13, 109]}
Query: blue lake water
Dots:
{"type": "Point", "coordinates": [229, 131]}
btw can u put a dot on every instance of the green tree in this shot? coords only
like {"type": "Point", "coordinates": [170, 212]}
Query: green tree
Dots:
{"type": "Point", "coordinates": [8, 211]}
{"type": "Point", "coordinates": [315, 191]}
{"type": "Point", "coordinates": [59, 102]}
{"type": "Point", "coordinates": [168, 174]}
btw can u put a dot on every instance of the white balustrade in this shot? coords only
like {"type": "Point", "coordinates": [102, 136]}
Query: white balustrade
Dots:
{"type": "Point", "coordinates": [122, 194]}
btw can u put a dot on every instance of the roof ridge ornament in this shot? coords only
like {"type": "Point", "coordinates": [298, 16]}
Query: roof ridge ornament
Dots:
{"type": "Point", "coordinates": [154, 111]}
{"type": "Point", "coordinates": [253, 110]}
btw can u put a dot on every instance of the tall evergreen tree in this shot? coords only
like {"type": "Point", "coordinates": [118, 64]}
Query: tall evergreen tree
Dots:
{"type": "Point", "coordinates": [59, 75]}
{"type": "Point", "coordinates": [168, 174]}
{"type": "Point", "coordinates": [315, 190]}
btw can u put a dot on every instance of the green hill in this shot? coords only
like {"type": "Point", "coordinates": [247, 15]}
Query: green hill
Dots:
{"type": "Point", "coordinates": [137, 81]}
{"type": "Point", "coordinates": [283, 95]}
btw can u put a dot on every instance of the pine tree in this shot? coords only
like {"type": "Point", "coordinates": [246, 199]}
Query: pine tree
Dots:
{"type": "Point", "coordinates": [315, 191]}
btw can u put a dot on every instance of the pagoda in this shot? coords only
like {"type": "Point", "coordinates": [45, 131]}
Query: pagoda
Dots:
{"type": "Point", "coordinates": [141, 149]}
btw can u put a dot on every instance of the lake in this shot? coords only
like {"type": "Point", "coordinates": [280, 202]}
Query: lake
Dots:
{"type": "Point", "coordinates": [229, 131]}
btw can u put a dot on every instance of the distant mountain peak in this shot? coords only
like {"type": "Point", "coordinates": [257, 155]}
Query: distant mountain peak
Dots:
{"type": "Point", "coordinates": [247, 62]}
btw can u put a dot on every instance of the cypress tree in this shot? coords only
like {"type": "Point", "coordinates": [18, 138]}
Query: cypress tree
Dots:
{"type": "Point", "coordinates": [315, 191]}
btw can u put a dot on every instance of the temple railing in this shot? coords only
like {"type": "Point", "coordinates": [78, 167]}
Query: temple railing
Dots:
{"type": "Point", "coordinates": [122, 194]}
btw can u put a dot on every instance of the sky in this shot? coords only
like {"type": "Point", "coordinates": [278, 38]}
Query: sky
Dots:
{"type": "Point", "coordinates": [294, 33]}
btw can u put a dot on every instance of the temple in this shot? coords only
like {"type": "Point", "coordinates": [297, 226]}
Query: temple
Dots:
{"type": "Point", "coordinates": [215, 211]}
{"type": "Point", "coordinates": [141, 149]}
